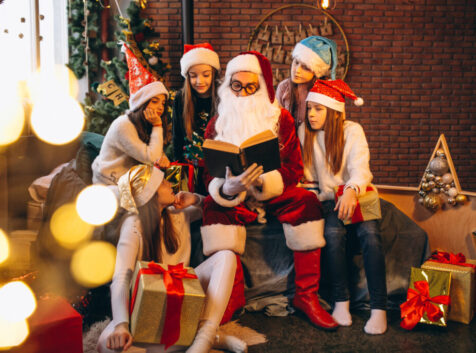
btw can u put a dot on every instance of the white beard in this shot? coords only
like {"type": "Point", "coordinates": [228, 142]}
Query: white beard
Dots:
{"type": "Point", "coordinates": [240, 118]}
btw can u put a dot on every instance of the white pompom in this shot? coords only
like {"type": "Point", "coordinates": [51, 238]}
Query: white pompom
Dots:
{"type": "Point", "coordinates": [359, 101]}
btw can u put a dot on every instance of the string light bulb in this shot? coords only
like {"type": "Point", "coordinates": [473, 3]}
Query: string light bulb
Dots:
{"type": "Point", "coordinates": [326, 4]}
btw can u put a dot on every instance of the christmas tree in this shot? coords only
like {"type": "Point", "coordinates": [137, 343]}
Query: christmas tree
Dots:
{"type": "Point", "coordinates": [141, 38]}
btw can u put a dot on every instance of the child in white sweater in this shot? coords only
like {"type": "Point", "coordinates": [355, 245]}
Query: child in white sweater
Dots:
{"type": "Point", "coordinates": [335, 152]}
{"type": "Point", "coordinates": [135, 137]}
{"type": "Point", "coordinates": [153, 231]}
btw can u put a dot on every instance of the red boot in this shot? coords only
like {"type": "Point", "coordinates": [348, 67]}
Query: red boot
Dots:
{"type": "Point", "coordinates": [307, 265]}
{"type": "Point", "coordinates": [237, 297]}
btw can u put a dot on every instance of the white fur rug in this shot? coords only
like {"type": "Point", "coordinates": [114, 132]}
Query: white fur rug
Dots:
{"type": "Point", "coordinates": [250, 336]}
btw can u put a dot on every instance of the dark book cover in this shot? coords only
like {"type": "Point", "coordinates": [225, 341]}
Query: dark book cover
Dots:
{"type": "Point", "coordinates": [219, 154]}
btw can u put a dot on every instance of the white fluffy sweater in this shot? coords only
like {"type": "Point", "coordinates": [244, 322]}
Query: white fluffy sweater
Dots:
{"type": "Point", "coordinates": [355, 168]}
{"type": "Point", "coordinates": [122, 148]}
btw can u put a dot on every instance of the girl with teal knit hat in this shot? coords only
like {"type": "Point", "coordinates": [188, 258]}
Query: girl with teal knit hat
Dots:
{"type": "Point", "coordinates": [314, 58]}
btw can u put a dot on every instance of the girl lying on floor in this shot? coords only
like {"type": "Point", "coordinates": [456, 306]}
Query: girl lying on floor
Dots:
{"type": "Point", "coordinates": [151, 230]}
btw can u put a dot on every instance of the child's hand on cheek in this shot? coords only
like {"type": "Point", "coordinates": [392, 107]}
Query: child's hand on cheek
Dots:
{"type": "Point", "coordinates": [153, 116]}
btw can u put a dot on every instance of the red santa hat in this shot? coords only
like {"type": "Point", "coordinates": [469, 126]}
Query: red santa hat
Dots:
{"type": "Point", "coordinates": [253, 61]}
{"type": "Point", "coordinates": [198, 54]}
{"type": "Point", "coordinates": [332, 93]}
{"type": "Point", "coordinates": [142, 84]}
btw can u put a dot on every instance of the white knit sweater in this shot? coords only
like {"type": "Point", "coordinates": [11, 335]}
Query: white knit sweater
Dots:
{"type": "Point", "coordinates": [355, 168]}
{"type": "Point", "coordinates": [122, 148]}
{"type": "Point", "coordinates": [129, 251]}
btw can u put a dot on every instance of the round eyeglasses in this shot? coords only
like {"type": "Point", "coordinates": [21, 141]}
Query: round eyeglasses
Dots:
{"type": "Point", "coordinates": [250, 88]}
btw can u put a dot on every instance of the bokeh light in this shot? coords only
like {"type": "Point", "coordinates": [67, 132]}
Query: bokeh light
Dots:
{"type": "Point", "coordinates": [56, 78]}
{"type": "Point", "coordinates": [4, 246]}
{"type": "Point", "coordinates": [12, 114]}
{"type": "Point", "coordinates": [96, 204]}
{"type": "Point", "coordinates": [68, 228]}
{"type": "Point", "coordinates": [17, 301]}
{"type": "Point", "coordinates": [57, 118]}
{"type": "Point", "coordinates": [12, 333]}
{"type": "Point", "coordinates": [93, 264]}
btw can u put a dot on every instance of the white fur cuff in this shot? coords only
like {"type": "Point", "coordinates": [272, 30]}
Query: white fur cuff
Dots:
{"type": "Point", "coordinates": [306, 236]}
{"type": "Point", "coordinates": [273, 186]}
{"type": "Point", "coordinates": [218, 237]}
{"type": "Point", "coordinates": [214, 190]}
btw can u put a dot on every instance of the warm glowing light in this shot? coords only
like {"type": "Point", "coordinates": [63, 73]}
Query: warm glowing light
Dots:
{"type": "Point", "coordinates": [12, 333]}
{"type": "Point", "coordinates": [325, 4]}
{"type": "Point", "coordinates": [68, 228]}
{"type": "Point", "coordinates": [17, 301]}
{"type": "Point", "coordinates": [4, 246]}
{"type": "Point", "coordinates": [93, 264]}
{"type": "Point", "coordinates": [96, 204]}
{"type": "Point", "coordinates": [57, 118]}
{"type": "Point", "coordinates": [12, 115]}
{"type": "Point", "coordinates": [56, 78]}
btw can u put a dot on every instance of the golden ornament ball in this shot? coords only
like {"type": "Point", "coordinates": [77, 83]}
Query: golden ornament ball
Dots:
{"type": "Point", "coordinates": [432, 201]}
{"type": "Point", "coordinates": [461, 199]}
{"type": "Point", "coordinates": [440, 153]}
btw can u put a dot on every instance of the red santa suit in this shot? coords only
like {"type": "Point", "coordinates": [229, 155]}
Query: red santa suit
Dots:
{"type": "Point", "coordinates": [299, 210]}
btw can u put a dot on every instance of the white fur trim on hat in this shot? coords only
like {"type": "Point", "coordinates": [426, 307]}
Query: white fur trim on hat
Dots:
{"type": "Point", "coordinates": [305, 236]}
{"type": "Point", "coordinates": [325, 100]}
{"type": "Point", "coordinates": [216, 237]}
{"type": "Point", "coordinates": [312, 60]}
{"type": "Point", "coordinates": [244, 62]}
{"type": "Point", "coordinates": [198, 56]}
{"type": "Point", "coordinates": [214, 190]}
{"type": "Point", "coordinates": [273, 186]}
{"type": "Point", "coordinates": [150, 188]}
{"type": "Point", "coordinates": [145, 93]}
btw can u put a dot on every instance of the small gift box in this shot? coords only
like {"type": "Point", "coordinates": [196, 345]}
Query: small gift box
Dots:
{"type": "Point", "coordinates": [182, 176]}
{"type": "Point", "coordinates": [463, 283]}
{"type": "Point", "coordinates": [368, 205]}
{"type": "Point", "coordinates": [166, 304]}
{"type": "Point", "coordinates": [428, 298]}
{"type": "Point", "coordinates": [55, 327]}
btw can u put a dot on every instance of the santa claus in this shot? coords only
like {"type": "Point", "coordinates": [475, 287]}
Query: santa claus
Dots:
{"type": "Point", "coordinates": [247, 107]}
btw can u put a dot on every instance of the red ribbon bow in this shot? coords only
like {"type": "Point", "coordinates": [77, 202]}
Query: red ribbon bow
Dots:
{"type": "Point", "coordinates": [357, 216]}
{"type": "Point", "coordinates": [450, 258]}
{"type": "Point", "coordinates": [175, 293]}
{"type": "Point", "coordinates": [419, 302]}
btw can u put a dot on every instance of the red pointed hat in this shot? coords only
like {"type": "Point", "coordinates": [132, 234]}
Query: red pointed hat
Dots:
{"type": "Point", "coordinates": [253, 61]}
{"type": "Point", "coordinates": [142, 84]}
{"type": "Point", "coordinates": [332, 94]}
{"type": "Point", "coordinates": [195, 54]}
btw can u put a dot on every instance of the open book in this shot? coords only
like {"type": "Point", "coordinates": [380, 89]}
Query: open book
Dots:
{"type": "Point", "coordinates": [262, 149]}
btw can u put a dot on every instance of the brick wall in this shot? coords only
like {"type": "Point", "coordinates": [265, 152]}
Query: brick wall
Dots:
{"type": "Point", "coordinates": [413, 62]}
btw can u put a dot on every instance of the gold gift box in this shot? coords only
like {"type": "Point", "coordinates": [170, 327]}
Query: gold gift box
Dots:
{"type": "Point", "coordinates": [439, 283]}
{"type": "Point", "coordinates": [463, 287]}
{"type": "Point", "coordinates": [148, 317]}
{"type": "Point", "coordinates": [369, 206]}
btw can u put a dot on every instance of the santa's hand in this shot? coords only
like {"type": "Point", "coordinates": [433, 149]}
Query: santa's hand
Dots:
{"type": "Point", "coordinates": [346, 204]}
{"type": "Point", "coordinates": [184, 199]}
{"type": "Point", "coordinates": [236, 184]}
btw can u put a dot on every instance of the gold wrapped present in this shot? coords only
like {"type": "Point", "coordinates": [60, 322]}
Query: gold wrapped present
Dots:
{"type": "Point", "coordinates": [463, 287]}
{"type": "Point", "coordinates": [182, 176]}
{"type": "Point", "coordinates": [428, 298]}
{"type": "Point", "coordinates": [368, 205]}
{"type": "Point", "coordinates": [166, 304]}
